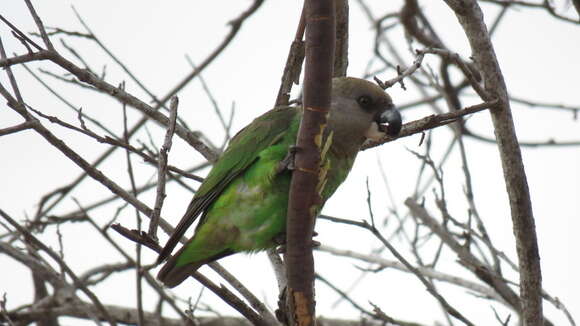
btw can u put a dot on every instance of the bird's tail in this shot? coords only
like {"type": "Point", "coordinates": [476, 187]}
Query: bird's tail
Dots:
{"type": "Point", "coordinates": [172, 275]}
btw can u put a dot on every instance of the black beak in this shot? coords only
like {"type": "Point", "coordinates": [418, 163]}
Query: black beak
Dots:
{"type": "Point", "coordinates": [394, 122]}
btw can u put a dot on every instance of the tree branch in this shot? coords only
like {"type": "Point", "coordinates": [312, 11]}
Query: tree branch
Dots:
{"type": "Point", "coordinates": [430, 122]}
{"type": "Point", "coordinates": [28, 237]}
{"type": "Point", "coordinates": [304, 198]}
{"type": "Point", "coordinates": [162, 169]}
{"type": "Point", "coordinates": [471, 19]}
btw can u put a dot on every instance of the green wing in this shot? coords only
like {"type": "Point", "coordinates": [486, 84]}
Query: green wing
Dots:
{"type": "Point", "coordinates": [243, 150]}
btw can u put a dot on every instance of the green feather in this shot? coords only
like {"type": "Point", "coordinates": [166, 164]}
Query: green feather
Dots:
{"type": "Point", "coordinates": [244, 199]}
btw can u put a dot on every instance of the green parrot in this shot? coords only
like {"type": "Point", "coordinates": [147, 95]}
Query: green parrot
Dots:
{"type": "Point", "coordinates": [244, 199]}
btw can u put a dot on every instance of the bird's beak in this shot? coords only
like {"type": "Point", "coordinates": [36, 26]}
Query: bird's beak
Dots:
{"type": "Point", "coordinates": [388, 122]}
{"type": "Point", "coordinates": [392, 119]}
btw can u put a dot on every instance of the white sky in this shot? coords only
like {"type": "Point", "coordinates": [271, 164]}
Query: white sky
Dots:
{"type": "Point", "coordinates": [537, 55]}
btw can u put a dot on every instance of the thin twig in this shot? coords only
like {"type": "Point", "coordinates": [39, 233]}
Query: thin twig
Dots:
{"type": "Point", "coordinates": [14, 129]}
{"type": "Point", "coordinates": [138, 246]}
{"type": "Point", "coordinates": [112, 198]}
{"type": "Point", "coordinates": [402, 75]}
{"type": "Point", "coordinates": [21, 36]}
{"type": "Point", "coordinates": [293, 66]}
{"type": "Point", "coordinates": [220, 291]}
{"type": "Point", "coordinates": [76, 281]}
{"type": "Point", "coordinates": [467, 259]}
{"type": "Point", "coordinates": [546, 5]}
{"type": "Point", "coordinates": [13, 83]}
{"type": "Point", "coordinates": [371, 227]}
{"type": "Point", "coordinates": [430, 122]}
{"type": "Point", "coordinates": [39, 25]}
{"type": "Point", "coordinates": [243, 290]}
{"type": "Point", "coordinates": [278, 267]}
{"type": "Point", "coordinates": [162, 169]}
{"type": "Point", "coordinates": [427, 271]}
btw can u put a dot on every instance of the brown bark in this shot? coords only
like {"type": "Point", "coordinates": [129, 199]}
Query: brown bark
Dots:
{"type": "Point", "coordinates": [341, 43]}
{"type": "Point", "coordinates": [128, 316]}
{"type": "Point", "coordinates": [320, 38]}
{"type": "Point", "coordinates": [471, 18]}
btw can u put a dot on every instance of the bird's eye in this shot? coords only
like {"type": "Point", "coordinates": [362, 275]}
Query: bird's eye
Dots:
{"type": "Point", "coordinates": [364, 101]}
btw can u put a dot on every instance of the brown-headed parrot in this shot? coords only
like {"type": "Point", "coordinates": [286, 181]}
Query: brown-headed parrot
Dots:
{"type": "Point", "coordinates": [242, 202]}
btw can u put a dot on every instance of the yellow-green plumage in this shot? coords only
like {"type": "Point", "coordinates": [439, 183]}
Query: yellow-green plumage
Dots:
{"type": "Point", "coordinates": [243, 200]}
{"type": "Point", "coordinates": [248, 214]}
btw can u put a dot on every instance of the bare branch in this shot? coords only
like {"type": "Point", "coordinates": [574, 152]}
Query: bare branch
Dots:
{"type": "Point", "coordinates": [21, 36]}
{"type": "Point", "coordinates": [426, 271]}
{"type": "Point", "coordinates": [293, 66]}
{"type": "Point", "coordinates": [221, 291]}
{"type": "Point", "coordinates": [402, 75]}
{"type": "Point", "coordinates": [320, 42]}
{"type": "Point", "coordinates": [36, 56]}
{"type": "Point", "coordinates": [430, 122]}
{"type": "Point", "coordinates": [162, 170]}
{"type": "Point", "coordinates": [129, 316]}
{"type": "Point", "coordinates": [39, 25]}
{"type": "Point", "coordinates": [243, 290]}
{"type": "Point", "coordinates": [471, 18]}
{"type": "Point", "coordinates": [14, 129]}
{"type": "Point", "coordinates": [545, 4]}
{"type": "Point", "coordinates": [76, 281]}
{"type": "Point", "coordinates": [430, 288]}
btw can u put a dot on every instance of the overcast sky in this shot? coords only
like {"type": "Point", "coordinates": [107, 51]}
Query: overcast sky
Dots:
{"type": "Point", "coordinates": [539, 59]}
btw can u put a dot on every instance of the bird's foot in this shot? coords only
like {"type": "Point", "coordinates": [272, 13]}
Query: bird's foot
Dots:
{"type": "Point", "coordinates": [287, 162]}
{"type": "Point", "coordinates": [279, 239]}
{"type": "Point", "coordinates": [282, 248]}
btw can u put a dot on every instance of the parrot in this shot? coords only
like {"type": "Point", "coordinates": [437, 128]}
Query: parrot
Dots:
{"type": "Point", "coordinates": [243, 201]}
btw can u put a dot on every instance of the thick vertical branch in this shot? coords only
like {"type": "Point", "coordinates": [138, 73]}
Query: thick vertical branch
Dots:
{"type": "Point", "coordinates": [304, 199]}
{"type": "Point", "coordinates": [341, 45]}
{"type": "Point", "coordinates": [471, 18]}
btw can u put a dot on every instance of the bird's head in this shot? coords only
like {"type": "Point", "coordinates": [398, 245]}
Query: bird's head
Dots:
{"type": "Point", "coordinates": [361, 110]}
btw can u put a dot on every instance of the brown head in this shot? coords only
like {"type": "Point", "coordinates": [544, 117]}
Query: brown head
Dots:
{"type": "Point", "coordinates": [360, 110]}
